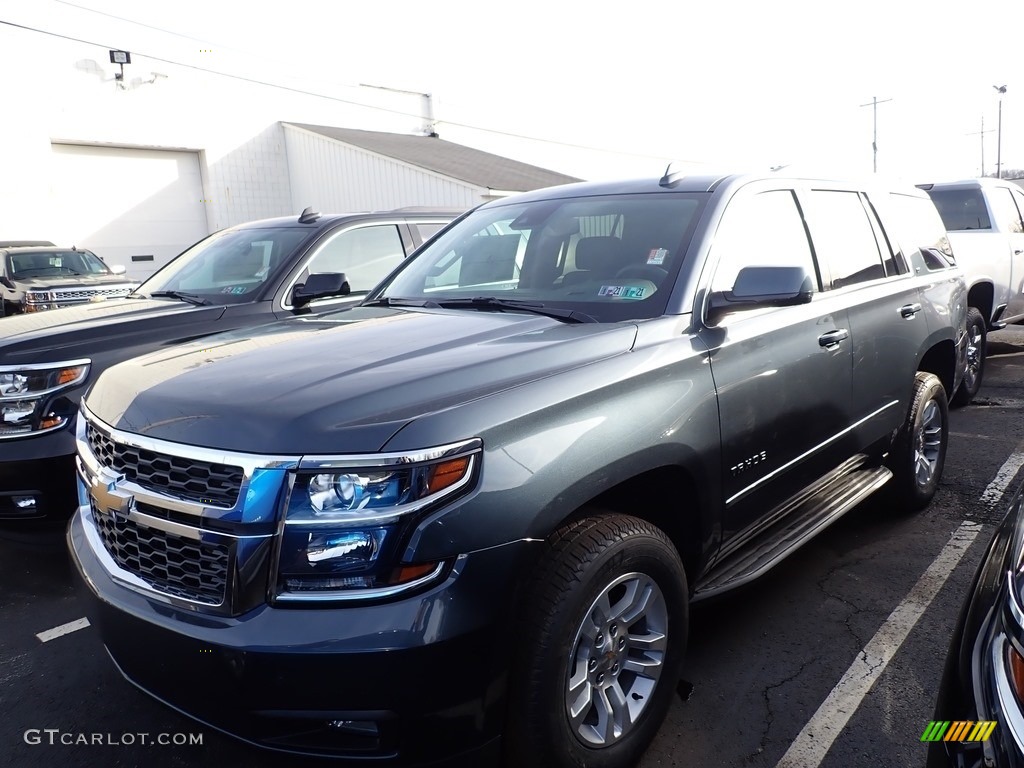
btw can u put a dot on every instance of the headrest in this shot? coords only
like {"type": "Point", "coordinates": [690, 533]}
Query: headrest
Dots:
{"type": "Point", "coordinates": [598, 253]}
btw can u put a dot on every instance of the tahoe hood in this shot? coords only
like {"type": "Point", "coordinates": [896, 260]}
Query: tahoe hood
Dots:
{"type": "Point", "coordinates": [340, 383]}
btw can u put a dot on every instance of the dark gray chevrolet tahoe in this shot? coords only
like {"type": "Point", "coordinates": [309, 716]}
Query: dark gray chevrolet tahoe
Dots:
{"type": "Point", "coordinates": [464, 521]}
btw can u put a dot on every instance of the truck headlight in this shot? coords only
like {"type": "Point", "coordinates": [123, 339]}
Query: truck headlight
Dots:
{"type": "Point", "coordinates": [340, 537]}
{"type": "Point", "coordinates": [26, 391]}
{"type": "Point", "coordinates": [38, 300]}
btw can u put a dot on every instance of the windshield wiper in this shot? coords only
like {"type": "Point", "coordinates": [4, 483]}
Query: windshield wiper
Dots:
{"type": "Point", "coordinates": [191, 298]}
{"type": "Point", "coordinates": [493, 302]}
{"type": "Point", "coordinates": [389, 301]}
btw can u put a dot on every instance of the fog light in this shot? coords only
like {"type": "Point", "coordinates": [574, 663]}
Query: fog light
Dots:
{"type": "Point", "coordinates": [24, 502]}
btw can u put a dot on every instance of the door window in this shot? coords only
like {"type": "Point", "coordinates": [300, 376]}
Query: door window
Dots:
{"type": "Point", "coordinates": [366, 255]}
{"type": "Point", "coordinates": [761, 230]}
{"type": "Point", "coordinates": [1005, 211]}
{"type": "Point", "coordinates": [843, 237]}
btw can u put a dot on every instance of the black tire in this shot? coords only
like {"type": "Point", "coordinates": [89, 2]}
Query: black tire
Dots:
{"type": "Point", "coordinates": [919, 453]}
{"type": "Point", "coordinates": [977, 340]}
{"type": "Point", "coordinates": [565, 632]}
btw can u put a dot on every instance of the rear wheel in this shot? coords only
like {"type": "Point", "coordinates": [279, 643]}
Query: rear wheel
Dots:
{"type": "Point", "coordinates": [919, 454]}
{"type": "Point", "coordinates": [605, 625]}
{"type": "Point", "coordinates": [976, 348]}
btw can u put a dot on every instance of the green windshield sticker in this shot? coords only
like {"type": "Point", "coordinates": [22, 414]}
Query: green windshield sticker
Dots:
{"type": "Point", "coordinates": [622, 291]}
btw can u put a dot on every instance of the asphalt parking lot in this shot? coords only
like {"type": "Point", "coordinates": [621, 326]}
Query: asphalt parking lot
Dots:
{"type": "Point", "coordinates": [831, 660]}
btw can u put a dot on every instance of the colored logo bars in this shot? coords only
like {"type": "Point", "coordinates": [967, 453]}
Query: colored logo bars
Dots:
{"type": "Point", "coordinates": [958, 730]}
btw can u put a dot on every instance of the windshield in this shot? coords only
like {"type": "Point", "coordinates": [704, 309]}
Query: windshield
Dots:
{"type": "Point", "coordinates": [55, 264]}
{"type": "Point", "coordinates": [229, 266]}
{"type": "Point", "coordinates": [613, 257]}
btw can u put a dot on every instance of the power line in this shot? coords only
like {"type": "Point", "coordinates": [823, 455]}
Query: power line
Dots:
{"type": "Point", "coordinates": [351, 102]}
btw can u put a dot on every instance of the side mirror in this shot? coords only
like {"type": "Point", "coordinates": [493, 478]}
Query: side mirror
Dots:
{"type": "Point", "coordinates": [118, 269]}
{"type": "Point", "coordinates": [320, 285]}
{"type": "Point", "coordinates": [758, 287]}
{"type": "Point", "coordinates": [6, 282]}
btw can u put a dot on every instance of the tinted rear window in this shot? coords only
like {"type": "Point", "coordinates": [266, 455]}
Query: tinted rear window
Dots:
{"type": "Point", "coordinates": [961, 208]}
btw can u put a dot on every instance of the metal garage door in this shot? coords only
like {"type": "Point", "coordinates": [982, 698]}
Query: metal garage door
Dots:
{"type": "Point", "coordinates": [137, 207]}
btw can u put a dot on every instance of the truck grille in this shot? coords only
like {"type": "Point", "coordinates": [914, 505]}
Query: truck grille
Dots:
{"type": "Point", "coordinates": [199, 481]}
{"type": "Point", "coordinates": [84, 294]}
{"type": "Point", "coordinates": [172, 564]}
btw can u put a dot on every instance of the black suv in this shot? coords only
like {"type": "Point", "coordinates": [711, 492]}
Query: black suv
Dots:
{"type": "Point", "coordinates": [38, 276]}
{"type": "Point", "coordinates": [241, 276]}
{"type": "Point", "coordinates": [465, 520]}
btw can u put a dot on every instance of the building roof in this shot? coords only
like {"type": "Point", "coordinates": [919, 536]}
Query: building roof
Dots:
{"type": "Point", "coordinates": [472, 166]}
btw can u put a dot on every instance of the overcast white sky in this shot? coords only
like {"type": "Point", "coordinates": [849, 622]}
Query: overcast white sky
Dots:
{"type": "Point", "coordinates": [725, 84]}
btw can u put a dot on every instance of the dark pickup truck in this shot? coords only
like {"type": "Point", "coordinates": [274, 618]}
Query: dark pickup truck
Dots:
{"type": "Point", "coordinates": [241, 276]}
{"type": "Point", "coordinates": [37, 277]}
{"type": "Point", "coordinates": [463, 521]}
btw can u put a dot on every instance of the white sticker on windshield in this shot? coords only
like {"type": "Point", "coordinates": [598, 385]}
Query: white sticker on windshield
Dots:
{"type": "Point", "coordinates": [622, 291]}
{"type": "Point", "coordinates": [657, 256]}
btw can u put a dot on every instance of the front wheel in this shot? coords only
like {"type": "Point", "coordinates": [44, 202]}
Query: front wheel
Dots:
{"type": "Point", "coordinates": [976, 348]}
{"type": "Point", "coordinates": [604, 636]}
{"type": "Point", "coordinates": [919, 453]}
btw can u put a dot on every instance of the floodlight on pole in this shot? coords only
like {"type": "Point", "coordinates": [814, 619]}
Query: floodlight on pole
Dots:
{"type": "Point", "coordinates": [1000, 89]}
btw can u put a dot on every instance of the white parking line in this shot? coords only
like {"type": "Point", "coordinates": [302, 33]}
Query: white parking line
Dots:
{"type": "Point", "coordinates": [814, 741]}
{"type": "Point", "coordinates": [994, 493]}
{"type": "Point", "coordinates": [63, 629]}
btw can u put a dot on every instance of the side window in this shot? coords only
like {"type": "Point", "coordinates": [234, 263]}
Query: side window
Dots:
{"type": "Point", "coordinates": [895, 264]}
{"type": "Point", "coordinates": [843, 237]}
{"type": "Point", "coordinates": [1018, 198]}
{"type": "Point", "coordinates": [919, 229]}
{"type": "Point", "coordinates": [1005, 211]}
{"type": "Point", "coordinates": [428, 230]}
{"type": "Point", "coordinates": [761, 230]}
{"type": "Point", "coordinates": [366, 255]}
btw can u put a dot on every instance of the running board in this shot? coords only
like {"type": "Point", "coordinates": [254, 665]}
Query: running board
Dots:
{"type": "Point", "coordinates": [804, 520]}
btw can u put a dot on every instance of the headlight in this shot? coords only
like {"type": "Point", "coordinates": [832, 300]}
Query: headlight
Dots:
{"type": "Point", "coordinates": [38, 300]}
{"type": "Point", "coordinates": [26, 391]}
{"type": "Point", "coordinates": [340, 537]}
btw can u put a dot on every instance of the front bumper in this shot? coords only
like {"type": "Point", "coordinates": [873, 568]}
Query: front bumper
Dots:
{"type": "Point", "coordinates": [417, 681]}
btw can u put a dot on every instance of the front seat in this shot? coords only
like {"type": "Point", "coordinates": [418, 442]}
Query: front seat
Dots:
{"type": "Point", "coordinates": [596, 257]}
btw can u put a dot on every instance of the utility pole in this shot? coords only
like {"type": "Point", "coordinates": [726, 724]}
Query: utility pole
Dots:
{"type": "Point", "coordinates": [1000, 89]}
{"type": "Point", "coordinates": [981, 133]}
{"type": "Point", "coordinates": [874, 136]}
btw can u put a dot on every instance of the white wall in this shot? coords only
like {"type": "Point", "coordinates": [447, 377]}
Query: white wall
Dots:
{"type": "Point", "coordinates": [336, 177]}
{"type": "Point", "coordinates": [56, 90]}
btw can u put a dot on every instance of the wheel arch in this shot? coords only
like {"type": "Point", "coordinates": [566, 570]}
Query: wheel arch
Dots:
{"type": "Point", "coordinates": [982, 296]}
{"type": "Point", "coordinates": [644, 496]}
{"type": "Point", "coordinates": [941, 359]}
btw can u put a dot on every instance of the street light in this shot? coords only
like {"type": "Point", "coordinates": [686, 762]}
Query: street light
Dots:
{"type": "Point", "coordinates": [1000, 89]}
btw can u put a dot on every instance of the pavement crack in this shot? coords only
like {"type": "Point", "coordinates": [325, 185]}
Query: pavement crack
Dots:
{"type": "Point", "coordinates": [769, 714]}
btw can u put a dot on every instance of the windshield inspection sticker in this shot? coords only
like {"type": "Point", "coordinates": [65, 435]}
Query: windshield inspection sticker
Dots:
{"type": "Point", "coordinates": [657, 256]}
{"type": "Point", "coordinates": [622, 291]}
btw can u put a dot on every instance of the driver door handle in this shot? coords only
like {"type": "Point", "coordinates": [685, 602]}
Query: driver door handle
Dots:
{"type": "Point", "coordinates": [832, 338]}
{"type": "Point", "coordinates": [909, 310]}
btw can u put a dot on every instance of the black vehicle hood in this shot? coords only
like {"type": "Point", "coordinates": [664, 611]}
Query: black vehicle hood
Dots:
{"type": "Point", "coordinates": [69, 282]}
{"type": "Point", "coordinates": [76, 332]}
{"type": "Point", "coordinates": [340, 383]}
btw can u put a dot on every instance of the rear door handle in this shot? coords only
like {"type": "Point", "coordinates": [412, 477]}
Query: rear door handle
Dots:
{"type": "Point", "coordinates": [832, 338]}
{"type": "Point", "coordinates": [909, 310]}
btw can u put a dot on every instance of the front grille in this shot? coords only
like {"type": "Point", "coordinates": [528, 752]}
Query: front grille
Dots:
{"type": "Point", "coordinates": [172, 564]}
{"type": "Point", "coordinates": [84, 294]}
{"type": "Point", "coordinates": [199, 481]}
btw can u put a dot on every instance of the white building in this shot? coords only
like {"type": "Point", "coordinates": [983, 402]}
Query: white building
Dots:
{"type": "Point", "coordinates": [140, 167]}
